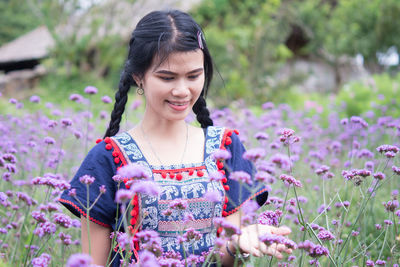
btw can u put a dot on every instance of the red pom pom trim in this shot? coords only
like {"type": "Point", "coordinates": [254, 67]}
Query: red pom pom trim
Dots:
{"type": "Point", "coordinates": [107, 140]}
{"type": "Point", "coordinates": [116, 160]}
{"type": "Point", "coordinates": [108, 146]}
{"type": "Point", "coordinates": [220, 165]}
{"type": "Point", "coordinates": [99, 140]}
{"type": "Point", "coordinates": [228, 141]}
{"type": "Point", "coordinates": [179, 176]}
{"type": "Point", "coordinates": [226, 187]}
{"type": "Point", "coordinates": [200, 173]}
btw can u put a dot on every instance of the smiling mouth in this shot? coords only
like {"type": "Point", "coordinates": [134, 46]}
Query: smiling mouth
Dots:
{"type": "Point", "coordinates": [178, 103]}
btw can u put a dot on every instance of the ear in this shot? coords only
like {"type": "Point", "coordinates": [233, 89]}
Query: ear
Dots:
{"type": "Point", "coordinates": [137, 80]}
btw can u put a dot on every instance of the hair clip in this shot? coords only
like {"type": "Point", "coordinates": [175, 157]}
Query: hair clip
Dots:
{"type": "Point", "coordinates": [200, 40]}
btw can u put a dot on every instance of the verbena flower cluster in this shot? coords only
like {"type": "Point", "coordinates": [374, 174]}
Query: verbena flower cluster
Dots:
{"type": "Point", "coordinates": [334, 181]}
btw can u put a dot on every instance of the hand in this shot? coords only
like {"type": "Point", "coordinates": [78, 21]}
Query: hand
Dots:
{"type": "Point", "coordinates": [249, 241]}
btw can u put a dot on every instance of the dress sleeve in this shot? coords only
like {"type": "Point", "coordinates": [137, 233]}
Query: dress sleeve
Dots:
{"type": "Point", "coordinates": [100, 165]}
{"type": "Point", "coordinates": [239, 193]}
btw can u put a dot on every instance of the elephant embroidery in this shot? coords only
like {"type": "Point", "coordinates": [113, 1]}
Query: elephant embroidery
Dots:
{"type": "Point", "coordinates": [194, 189]}
{"type": "Point", "coordinates": [169, 191]}
{"type": "Point", "coordinates": [150, 219]}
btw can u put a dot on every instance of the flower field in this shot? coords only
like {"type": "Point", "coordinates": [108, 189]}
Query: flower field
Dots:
{"type": "Point", "coordinates": [334, 181]}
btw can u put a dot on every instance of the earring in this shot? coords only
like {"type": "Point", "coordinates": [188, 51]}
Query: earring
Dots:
{"type": "Point", "coordinates": [140, 90]}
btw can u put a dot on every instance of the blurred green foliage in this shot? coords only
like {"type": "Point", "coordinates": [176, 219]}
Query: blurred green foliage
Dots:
{"type": "Point", "coordinates": [16, 18]}
{"type": "Point", "coordinates": [379, 94]}
{"type": "Point", "coordinates": [250, 40]}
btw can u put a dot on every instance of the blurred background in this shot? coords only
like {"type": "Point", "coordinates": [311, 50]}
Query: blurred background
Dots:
{"type": "Point", "coordinates": [309, 54]}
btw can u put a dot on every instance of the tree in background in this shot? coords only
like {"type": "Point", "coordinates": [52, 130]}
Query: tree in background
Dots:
{"type": "Point", "coordinates": [250, 40]}
{"type": "Point", "coordinates": [16, 19]}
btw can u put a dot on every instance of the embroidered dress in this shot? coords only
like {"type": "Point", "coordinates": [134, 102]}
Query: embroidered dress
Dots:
{"type": "Point", "coordinates": [188, 182]}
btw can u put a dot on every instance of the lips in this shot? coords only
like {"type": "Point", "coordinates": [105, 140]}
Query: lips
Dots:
{"type": "Point", "coordinates": [178, 105]}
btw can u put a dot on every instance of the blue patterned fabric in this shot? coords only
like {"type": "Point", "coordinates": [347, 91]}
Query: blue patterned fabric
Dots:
{"type": "Point", "coordinates": [192, 187]}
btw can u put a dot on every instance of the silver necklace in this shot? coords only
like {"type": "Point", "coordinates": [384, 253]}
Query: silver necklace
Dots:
{"type": "Point", "coordinates": [154, 152]}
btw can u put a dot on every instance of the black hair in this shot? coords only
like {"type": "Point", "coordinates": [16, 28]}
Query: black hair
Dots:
{"type": "Point", "coordinates": [160, 33]}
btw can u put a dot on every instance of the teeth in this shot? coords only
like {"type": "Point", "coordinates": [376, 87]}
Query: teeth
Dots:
{"type": "Point", "coordinates": [178, 104]}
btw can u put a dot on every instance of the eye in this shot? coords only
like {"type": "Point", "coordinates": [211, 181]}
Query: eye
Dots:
{"type": "Point", "coordinates": [193, 77]}
{"type": "Point", "coordinates": [165, 78]}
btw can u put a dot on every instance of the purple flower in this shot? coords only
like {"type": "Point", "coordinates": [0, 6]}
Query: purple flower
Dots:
{"type": "Point", "coordinates": [49, 141]}
{"type": "Point", "coordinates": [379, 176]}
{"type": "Point", "coordinates": [147, 259]}
{"type": "Point", "coordinates": [102, 189]}
{"type": "Point", "coordinates": [241, 176]}
{"type": "Point", "coordinates": [391, 205]}
{"type": "Point", "coordinates": [325, 235]}
{"type": "Point", "coordinates": [216, 176]}
{"type": "Point", "coordinates": [290, 180]}
{"type": "Point", "coordinates": [213, 196]}
{"type": "Point", "coordinates": [42, 261]}
{"type": "Point", "coordinates": [90, 90]}
{"type": "Point", "coordinates": [269, 217]}
{"type": "Point", "coordinates": [313, 250]}
{"type": "Point", "coordinates": [388, 222]}
{"type": "Point", "coordinates": [79, 260]}
{"type": "Point", "coordinates": [229, 229]}
{"type": "Point", "coordinates": [66, 122]}
{"type": "Point", "coordinates": [39, 216]}
{"type": "Point", "coordinates": [221, 154]}
{"type": "Point", "coordinates": [145, 187]}
{"type": "Point", "coordinates": [261, 136]}
{"type": "Point", "coordinates": [87, 179]}
{"type": "Point", "coordinates": [380, 262]}
{"type": "Point", "coordinates": [355, 233]}
{"type": "Point", "coordinates": [13, 101]}
{"type": "Point", "coordinates": [378, 226]}
{"type": "Point", "coordinates": [191, 235]}
{"type": "Point", "coordinates": [369, 263]}
{"type": "Point", "coordinates": [134, 171]}
{"type": "Point", "coordinates": [282, 161]}
{"type": "Point", "coordinates": [396, 170]}
{"type": "Point", "coordinates": [387, 148]}
{"type": "Point", "coordinates": [178, 204]}
{"type": "Point", "coordinates": [123, 196]}
{"type": "Point", "coordinates": [270, 239]}
{"type": "Point", "coordinates": [322, 170]}
{"type": "Point", "coordinates": [254, 154]}
{"type": "Point", "coordinates": [34, 99]}
{"type": "Point", "coordinates": [76, 98]}
{"type": "Point", "coordinates": [268, 105]}
{"type": "Point", "coordinates": [62, 220]}
{"type": "Point", "coordinates": [359, 120]}
{"type": "Point", "coordinates": [106, 99]}
{"type": "Point", "coordinates": [149, 240]}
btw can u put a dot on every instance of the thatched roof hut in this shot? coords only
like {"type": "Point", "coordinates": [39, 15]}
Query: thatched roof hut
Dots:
{"type": "Point", "coordinates": [26, 50]}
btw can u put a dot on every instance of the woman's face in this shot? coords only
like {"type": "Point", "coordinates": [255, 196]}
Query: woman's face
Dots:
{"type": "Point", "coordinates": [172, 87]}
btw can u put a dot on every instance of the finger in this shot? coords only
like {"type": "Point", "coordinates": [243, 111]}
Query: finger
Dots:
{"type": "Point", "coordinates": [283, 230]}
{"type": "Point", "coordinates": [273, 252]}
{"type": "Point", "coordinates": [263, 248]}
{"type": "Point", "coordinates": [256, 252]}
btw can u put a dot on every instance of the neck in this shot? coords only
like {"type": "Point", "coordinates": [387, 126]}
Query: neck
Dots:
{"type": "Point", "coordinates": [170, 130]}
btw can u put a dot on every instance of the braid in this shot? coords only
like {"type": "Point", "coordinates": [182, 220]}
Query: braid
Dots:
{"type": "Point", "coordinates": [202, 113]}
{"type": "Point", "coordinates": [121, 97]}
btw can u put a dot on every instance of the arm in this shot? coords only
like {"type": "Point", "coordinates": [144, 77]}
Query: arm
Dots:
{"type": "Point", "coordinates": [100, 242]}
{"type": "Point", "coordinates": [249, 240]}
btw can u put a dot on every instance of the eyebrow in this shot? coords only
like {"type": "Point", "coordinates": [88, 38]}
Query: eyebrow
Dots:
{"type": "Point", "coordinates": [173, 73]}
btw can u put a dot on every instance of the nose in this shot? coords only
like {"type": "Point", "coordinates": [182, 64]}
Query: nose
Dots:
{"type": "Point", "coordinates": [181, 88]}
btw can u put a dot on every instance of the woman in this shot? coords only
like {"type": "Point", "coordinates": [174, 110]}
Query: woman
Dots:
{"type": "Point", "coordinates": [169, 62]}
